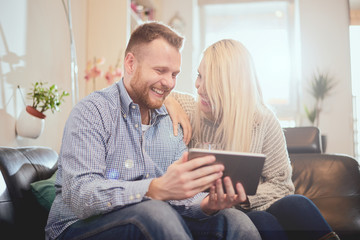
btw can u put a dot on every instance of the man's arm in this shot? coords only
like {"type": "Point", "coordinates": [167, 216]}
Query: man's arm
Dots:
{"type": "Point", "coordinates": [184, 179]}
{"type": "Point", "coordinates": [89, 185]}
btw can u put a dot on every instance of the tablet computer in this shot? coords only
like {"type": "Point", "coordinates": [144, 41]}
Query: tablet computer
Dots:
{"type": "Point", "coordinates": [241, 167]}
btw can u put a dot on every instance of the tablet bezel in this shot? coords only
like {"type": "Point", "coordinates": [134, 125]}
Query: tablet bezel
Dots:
{"type": "Point", "coordinates": [239, 166]}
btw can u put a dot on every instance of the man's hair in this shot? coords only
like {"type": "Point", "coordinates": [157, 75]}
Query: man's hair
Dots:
{"type": "Point", "coordinates": [150, 31]}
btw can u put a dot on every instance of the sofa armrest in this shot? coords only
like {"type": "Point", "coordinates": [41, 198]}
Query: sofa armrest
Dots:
{"type": "Point", "coordinates": [20, 212]}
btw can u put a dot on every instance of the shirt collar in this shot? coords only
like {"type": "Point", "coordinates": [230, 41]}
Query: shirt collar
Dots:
{"type": "Point", "coordinates": [126, 102]}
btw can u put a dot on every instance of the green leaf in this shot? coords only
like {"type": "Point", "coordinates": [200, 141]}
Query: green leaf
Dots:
{"type": "Point", "coordinates": [311, 114]}
{"type": "Point", "coordinates": [46, 98]}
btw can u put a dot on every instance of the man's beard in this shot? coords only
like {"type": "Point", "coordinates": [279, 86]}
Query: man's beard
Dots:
{"type": "Point", "coordinates": [141, 91]}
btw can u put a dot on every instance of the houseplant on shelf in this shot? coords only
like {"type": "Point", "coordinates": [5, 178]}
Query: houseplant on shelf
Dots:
{"type": "Point", "coordinates": [321, 86]}
{"type": "Point", "coordinates": [31, 121]}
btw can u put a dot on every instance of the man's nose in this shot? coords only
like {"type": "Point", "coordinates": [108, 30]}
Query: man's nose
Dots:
{"type": "Point", "coordinates": [168, 81]}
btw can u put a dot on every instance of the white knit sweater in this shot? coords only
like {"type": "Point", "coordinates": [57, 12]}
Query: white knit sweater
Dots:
{"type": "Point", "coordinates": [268, 139]}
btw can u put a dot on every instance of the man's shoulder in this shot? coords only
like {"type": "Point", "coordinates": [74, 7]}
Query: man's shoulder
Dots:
{"type": "Point", "coordinates": [104, 101]}
{"type": "Point", "coordinates": [106, 96]}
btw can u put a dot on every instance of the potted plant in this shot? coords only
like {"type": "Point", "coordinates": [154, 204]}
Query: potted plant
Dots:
{"type": "Point", "coordinates": [31, 121]}
{"type": "Point", "coordinates": [321, 86]}
{"type": "Point", "coordinates": [44, 99]}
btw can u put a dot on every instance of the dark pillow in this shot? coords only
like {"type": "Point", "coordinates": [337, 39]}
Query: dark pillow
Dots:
{"type": "Point", "coordinates": [44, 191]}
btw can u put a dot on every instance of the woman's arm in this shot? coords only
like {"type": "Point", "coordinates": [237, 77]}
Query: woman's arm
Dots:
{"type": "Point", "coordinates": [276, 176]}
{"type": "Point", "coordinates": [180, 107]}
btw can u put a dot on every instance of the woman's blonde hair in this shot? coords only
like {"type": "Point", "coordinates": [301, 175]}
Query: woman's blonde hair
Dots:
{"type": "Point", "coordinates": [233, 90]}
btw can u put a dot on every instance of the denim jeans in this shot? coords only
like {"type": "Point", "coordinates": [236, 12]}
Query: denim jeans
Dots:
{"type": "Point", "coordinates": [268, 226]}
{"type": "Point", "coordinates": [154, 219]}
{"type": "Point", "coordinates": [296, 215]}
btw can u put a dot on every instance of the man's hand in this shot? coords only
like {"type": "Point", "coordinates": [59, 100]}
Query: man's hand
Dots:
{"type": "Point", "coordinates": [184, 179]}
{"type": "Point", "coordinates": [178, 115]}
{"type": "Point", "coordinates": [217, 200]}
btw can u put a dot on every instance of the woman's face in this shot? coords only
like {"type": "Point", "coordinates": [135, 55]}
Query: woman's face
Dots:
{"type": "Point", "coordinates": [205, 105]}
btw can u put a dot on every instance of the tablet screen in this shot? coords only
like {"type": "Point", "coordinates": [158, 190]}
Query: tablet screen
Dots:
{"type": "Point", "coordinates": [241, 167]}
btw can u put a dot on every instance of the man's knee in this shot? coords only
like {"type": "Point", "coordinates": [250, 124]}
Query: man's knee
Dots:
{"type": "Point", "coordinates": [239, 224]}
{"type": "Point", "coordinates": [234, 215]}
{"type": "Point", "coordinates": [160, 214]}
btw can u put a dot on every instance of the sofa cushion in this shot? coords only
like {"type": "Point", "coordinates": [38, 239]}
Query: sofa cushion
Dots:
{"type": "Point", "coordinates": [44, 191]}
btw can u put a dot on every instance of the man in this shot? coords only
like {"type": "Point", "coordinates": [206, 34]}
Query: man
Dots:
{"type": "Point", "coordinates": [119, 175]}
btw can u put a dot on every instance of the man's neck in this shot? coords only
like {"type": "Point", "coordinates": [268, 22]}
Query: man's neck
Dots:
{"type": "Point", "coordinates": [145, 116]}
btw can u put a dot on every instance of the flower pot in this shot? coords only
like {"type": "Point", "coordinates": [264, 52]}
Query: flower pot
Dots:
{"type": "Point", "coordinates": [30, 123]}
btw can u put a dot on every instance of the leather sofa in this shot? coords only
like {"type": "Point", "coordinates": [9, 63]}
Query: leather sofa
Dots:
{"type": "Point", "coordinates": [21, 216]}
{"type": "Point", "coordinates": [331, 181]}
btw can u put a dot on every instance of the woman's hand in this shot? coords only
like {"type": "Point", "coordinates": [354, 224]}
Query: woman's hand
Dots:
{"type": "Point", "coordinates": [217, 200]}
{"type": "Point", "coordinates": [178, 115]}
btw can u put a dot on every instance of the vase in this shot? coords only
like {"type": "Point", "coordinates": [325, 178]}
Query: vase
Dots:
{"type": "Point", "coordinates": [30, 123]}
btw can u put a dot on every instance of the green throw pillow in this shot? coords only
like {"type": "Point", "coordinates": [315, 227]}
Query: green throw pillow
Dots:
{"type": "Point", "coordinates": [44, 191]}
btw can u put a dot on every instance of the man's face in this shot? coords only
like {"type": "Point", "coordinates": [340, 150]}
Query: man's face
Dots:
{"type": "Point", "coordinates": [155, 74]}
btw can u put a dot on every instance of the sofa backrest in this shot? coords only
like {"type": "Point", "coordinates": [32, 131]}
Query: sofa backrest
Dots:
{"type": "Point", "coordinates": [303, 140]}
{"type": "Point", "coordinates": [19, 211]}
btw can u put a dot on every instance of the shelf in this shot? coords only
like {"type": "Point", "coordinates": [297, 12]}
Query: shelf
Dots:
{"type": "Point", "coordinates": [135, 20]}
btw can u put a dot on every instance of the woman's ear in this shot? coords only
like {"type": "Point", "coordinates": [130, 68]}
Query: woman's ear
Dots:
{"type": "Point", "coordinates": [130, 63]}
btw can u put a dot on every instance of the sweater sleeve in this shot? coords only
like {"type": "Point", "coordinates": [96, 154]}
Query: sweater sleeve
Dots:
{"type": "Point", "coordinates": [187, 102]}
{"type": "Point", "coordinates": [275, 182]}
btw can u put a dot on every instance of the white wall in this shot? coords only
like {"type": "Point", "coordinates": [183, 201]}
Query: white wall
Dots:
{"type": "Point", "coordinates": [35, 35]}
{"type": "Point", "coordinates": [190, 52]}
{"type": "Point", "coordinates": [324, 29]}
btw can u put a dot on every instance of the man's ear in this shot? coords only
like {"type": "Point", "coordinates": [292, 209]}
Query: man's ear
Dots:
{"type": "Point", "coordinates": [130, 63]}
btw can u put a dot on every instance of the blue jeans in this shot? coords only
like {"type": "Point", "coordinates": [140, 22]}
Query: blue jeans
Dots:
{"type": "Point", "coordinates": [154, 219]}
{"type": "Point", "coordinates": [268, 226]}
{"type": "Point", "coordinates": [296, 215]}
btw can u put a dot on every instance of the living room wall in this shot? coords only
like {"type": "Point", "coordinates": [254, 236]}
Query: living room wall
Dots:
{"type": "Point", "coordinates": [324, 31]}
{"type": "Point", "coordinates": [35, 46]}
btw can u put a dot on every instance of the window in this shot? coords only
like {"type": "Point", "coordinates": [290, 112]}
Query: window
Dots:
{"type": "Point", "coordinates": [355, 75]}
{"type": "Point", "coordinates": [266, 29]}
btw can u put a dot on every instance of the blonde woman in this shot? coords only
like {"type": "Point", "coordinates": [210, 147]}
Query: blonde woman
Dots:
{"type": "Point", "coordinates": [230, 114]}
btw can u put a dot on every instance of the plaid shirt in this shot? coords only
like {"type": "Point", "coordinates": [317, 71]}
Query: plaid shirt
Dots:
{"type": "Point", "coordinates": [107, 162]}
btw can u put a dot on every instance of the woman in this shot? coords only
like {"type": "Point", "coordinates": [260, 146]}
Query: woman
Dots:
{"type": "Point", "coordinates": [230, 114]}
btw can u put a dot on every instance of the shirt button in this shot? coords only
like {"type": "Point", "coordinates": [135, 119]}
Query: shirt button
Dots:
{"type": "Point", "coordinates": [131, 197]}
{"type": "Point", "coordinates": [133, 106]}
{"type": "Point", "coordinates": [129, 163]}
{"type": "Point", "coordinates": [136, 125]}
{"type": "Point", "coordinates": [138, 195]}
{"type": "Point", "coordinates": [109, 204]}
{"type": "Point", "coordinates": [124, 115]}
{"type": "Point", "coordinates": [147, 175]}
